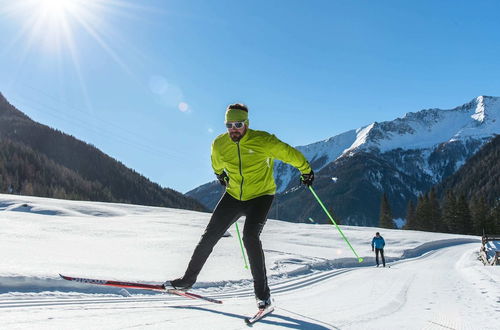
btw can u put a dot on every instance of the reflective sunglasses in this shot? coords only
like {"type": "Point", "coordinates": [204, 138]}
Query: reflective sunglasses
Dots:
{"type": "Point", "coordinates": [237, 125]}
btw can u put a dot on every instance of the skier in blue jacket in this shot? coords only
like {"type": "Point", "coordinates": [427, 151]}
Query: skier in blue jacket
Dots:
{"type": "Point", "coordinates": [378, 243]}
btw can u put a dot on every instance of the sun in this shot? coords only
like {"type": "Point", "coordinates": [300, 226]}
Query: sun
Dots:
{"type": "Point", "coordinates": [56, 32]}
{"type": "Point", "coordinates": [59, 10]}
{"type": "Point", "coordinates": [54, 21]}
{"type": "Point", "coordinates": [56, 7]}
{"type": "Point", "coordinates": [51, 24]}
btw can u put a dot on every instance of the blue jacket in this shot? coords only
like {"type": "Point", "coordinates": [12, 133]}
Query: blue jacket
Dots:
{"type": "Point", "coordinates": [378, 242]}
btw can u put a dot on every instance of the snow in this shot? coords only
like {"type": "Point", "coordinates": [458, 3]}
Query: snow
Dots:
{"type": "Point", "coordinates": [435, 280]}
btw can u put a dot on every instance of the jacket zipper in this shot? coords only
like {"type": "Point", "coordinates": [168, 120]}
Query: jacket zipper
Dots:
{"type": "Point", "coordinates": [241, 171]}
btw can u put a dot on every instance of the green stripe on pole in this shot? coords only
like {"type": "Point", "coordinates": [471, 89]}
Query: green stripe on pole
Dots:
{"type": "Point", "coordinates": [241, 245]}
{"type": "Point", "coordinates": [333, 221]}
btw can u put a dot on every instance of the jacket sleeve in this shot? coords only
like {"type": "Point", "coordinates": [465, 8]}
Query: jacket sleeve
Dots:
{"type": "Point", "coordinates": [217, 163]}
{"type": "Point", "coordinates": [284, 152]}
{"type": "Point", "coordinates": [373, 241]}
{"type": "Point", "coordinates": [383, 243]}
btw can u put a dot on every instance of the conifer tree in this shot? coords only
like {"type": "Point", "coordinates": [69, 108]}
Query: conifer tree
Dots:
{"type": "Point", "coordinates": [385, 214]}
{"type": "Point", "coordinates": [449, 214]}
{"type": "Point", "coordinates": [464, 221]}
{"type": "Point", "coordinates": [423, 213]}
{"type": "Point", "coordinates": [410, 217]}
{"type": "Point", "coordinates": [495, 219]}
{"type": "Point", "coordinates": [435, 212]}
{"type": "Point", "coordinates": [480, 216]}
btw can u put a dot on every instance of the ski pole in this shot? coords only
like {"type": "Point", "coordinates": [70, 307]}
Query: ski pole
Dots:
{"type": "Point", "coordinates": [333, 221]}
{"type": "Point", "coordinates": [241, 245]}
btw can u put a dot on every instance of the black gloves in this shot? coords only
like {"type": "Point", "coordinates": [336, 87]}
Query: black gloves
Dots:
{"type": "Point", "coordinates": [307, 179]}
{"type": "Point", "coordinates": [223, 178]}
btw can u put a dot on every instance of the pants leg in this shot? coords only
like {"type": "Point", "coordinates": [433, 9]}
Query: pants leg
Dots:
{"type": "Point", "coordinates": [227, 211]}
{"type": "Point", "coordinates": [256, 216]}
{"type": "Point", "coordinates": [382, 255]}
{"type": "Point", "coordinates": [376, 255]}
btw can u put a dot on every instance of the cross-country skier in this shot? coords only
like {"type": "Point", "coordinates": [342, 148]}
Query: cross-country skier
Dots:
{"type": "Point", "coordinates": [378, 243]}
{"type": "Point", "coordinates": [242, 159]}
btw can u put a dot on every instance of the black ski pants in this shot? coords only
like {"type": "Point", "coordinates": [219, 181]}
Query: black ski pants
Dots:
{"type": "Point", "coordinates": [381, 254]}
{"type": "Point", "coordinates": [227, 211]}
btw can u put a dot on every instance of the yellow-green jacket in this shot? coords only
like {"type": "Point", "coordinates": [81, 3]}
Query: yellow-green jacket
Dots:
{"type": "Point", "coordinates": [249, 162]}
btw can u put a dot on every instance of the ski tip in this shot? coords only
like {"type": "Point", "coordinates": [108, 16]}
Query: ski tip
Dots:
{"type": "Point", "coordinates": [64, 277]}
{"type": "Point", "coordinates": [248, 322]}
{"type": "Point", "coordinates": [360, 259]}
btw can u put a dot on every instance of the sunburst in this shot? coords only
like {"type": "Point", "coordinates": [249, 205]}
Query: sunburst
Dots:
{"type": "Point", "coordinates": [49, 24]}
{"type": "Point", "coordinates": [56, 29]}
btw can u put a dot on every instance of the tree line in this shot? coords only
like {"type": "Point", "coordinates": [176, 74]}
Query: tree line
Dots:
{"type": "Point", "coordinates": [25, 171]}
{"type": "Point", "coordinates": [453, 213]}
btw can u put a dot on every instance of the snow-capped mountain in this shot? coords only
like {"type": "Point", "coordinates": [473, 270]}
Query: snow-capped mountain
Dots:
{"type": "Point", "coordinates": [423, 130]}
{"type": "Point", "coordinates": [403, 158]}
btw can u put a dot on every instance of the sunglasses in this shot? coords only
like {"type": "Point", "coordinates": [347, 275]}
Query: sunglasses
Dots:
{"type": "Point", "coordinates": [237, 125]}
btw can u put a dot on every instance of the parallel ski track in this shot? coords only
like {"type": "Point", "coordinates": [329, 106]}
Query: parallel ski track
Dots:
{"type": "Point", "coordinates": [285, 285]}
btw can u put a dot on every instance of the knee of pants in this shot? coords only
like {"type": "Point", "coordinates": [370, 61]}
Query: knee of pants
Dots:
{"type": "Point", "coordinates": [250, 240]}
{"type": "Point", "coordinates": [209, 239]}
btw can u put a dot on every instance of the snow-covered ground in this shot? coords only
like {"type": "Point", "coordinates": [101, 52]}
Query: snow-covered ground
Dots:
{"type": "Point", "coordinates": [435, 281]}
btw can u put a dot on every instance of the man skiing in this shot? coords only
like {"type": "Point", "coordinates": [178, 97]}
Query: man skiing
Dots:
{"type": "Point", "coordinates": [378, 243]}
{"type": "Point", "coordinates": [242, 159]}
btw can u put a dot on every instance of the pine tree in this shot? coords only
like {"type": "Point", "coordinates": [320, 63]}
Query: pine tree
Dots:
{"type": "Point", "coordinates": [410, 217]}
{"type": "Point", "coordinates": [464, 221]}
{"type": "Point", "coordinates": [386, 214]}
{"type": "Point", "coordinates": [449, 215]}
{"type": "Point", "coordinates": [423, 213]}
{"type": "Point", "coordinates": [480, 216]}
{"type": "Point", "coordinates": [495, 219]}
{"type": "Point", "coordinates": [435, 212]}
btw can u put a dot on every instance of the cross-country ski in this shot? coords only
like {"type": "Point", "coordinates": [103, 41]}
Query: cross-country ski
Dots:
{"type": "Point", "coordinates": [140, 286]}
{"type": "Point", "coordinates": [259, 315]}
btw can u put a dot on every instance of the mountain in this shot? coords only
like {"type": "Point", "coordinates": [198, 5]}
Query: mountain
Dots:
{"type": "Point", "coordinates": [38, 160]}
{"type": "Point", "coordinates": [403, 158]}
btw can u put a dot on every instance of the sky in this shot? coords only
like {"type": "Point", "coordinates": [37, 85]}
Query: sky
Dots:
{"type": "Point", "coordinates": [432, 280]}
{"type": "Point", "coordinates": [147, 82]}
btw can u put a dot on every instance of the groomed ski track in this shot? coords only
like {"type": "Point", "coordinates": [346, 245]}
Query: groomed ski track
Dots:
{"type": "Point", "coordinates": [321, 284]}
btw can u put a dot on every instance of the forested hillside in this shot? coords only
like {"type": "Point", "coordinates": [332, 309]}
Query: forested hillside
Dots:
{"type": "Point", "coordinates": [40, 161]}
{"type": "Point", "coordinates": [467, 202]}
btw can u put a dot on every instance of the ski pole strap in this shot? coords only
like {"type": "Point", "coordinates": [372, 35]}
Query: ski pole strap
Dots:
{"type": "Point", "coordinates": [241, 246]}
{"type": "Point", "coordinates": [333, 221]}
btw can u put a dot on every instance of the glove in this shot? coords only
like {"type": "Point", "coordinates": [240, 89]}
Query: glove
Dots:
{"type": "Point", "coordinates": [307, 179]}
{"type": "Point", "coordinates": [223, 178]}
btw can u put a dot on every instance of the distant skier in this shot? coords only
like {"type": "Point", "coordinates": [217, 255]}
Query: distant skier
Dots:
{"type": "Point", "coordinates": [242, 160]}
{"type": "Point", "coordinates": [378, 243]}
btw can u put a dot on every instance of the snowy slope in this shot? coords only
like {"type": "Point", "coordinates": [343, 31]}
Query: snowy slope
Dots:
{"type": "Point", "coordinates": [435, 280]}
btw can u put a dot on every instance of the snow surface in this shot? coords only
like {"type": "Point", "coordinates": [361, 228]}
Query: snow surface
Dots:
{"type": "Point", "coordinates": [435, 281]}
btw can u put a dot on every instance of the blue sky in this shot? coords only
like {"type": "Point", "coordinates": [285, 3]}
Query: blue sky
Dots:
{"type": "Point", "coordinates": [147, 82]}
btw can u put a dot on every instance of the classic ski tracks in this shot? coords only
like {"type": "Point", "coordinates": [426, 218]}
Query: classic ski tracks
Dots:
{"type": "Point", "coordinates": [294, 283]}
{"type": "Point", "coordinates": [282, 285]}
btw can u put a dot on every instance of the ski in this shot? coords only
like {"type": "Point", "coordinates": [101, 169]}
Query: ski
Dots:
{"type": "Point", "coordinates": [143, 286]}
{"type": "Point", "coordinates": [259, 315]}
